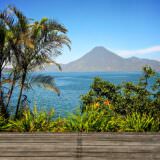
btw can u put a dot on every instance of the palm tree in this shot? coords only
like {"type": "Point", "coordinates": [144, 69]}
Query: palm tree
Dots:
{"type": "Point", "coordinates": [34, 44]}
{"type": "Point", "coordinates": [4, 59]}
{"type": "Point", "coordinates": [11, 30]}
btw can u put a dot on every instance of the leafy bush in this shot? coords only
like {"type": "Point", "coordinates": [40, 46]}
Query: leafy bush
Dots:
{"type": "Point", "coordinates": [127, 97]}
{"type": "Point", "coordinates": [138, 123]}
{"type": "Point", "coordinates": [59, 125]}
{"type": "Point", "coordinates": [31, 122]}
{"type": "Point", "coordinates": [105, 120]}
{"type": "Point", "coordinates": [106, 107]}
{"type": "Point", "coordinates": [3, 123]}
{"type": "Point", "coordinates": [94, 118]}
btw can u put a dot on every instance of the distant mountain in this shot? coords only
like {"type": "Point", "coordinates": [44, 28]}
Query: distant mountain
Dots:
{"type": "Point", "coordinates": [101, 59]}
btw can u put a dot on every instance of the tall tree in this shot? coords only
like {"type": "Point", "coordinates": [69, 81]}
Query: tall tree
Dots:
{"type": "Point", "coordinates": [33, 44]}
{"type": "Point", "coordinates": [4, 59]}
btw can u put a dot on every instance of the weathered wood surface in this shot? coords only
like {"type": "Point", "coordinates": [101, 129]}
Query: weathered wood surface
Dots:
{"type": "Point", "coordinates": [72, 146]}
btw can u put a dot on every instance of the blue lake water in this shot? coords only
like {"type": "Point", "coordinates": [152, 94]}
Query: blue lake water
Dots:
{"type": "Point", "coordinates": [72, 86]}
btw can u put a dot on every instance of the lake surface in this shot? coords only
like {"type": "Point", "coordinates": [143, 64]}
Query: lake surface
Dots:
{"type": "Point", "coordinates": [72, 86]}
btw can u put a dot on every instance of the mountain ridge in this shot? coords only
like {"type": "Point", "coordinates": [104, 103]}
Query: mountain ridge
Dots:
{"type": "Point", "coordinates": [100, 59]}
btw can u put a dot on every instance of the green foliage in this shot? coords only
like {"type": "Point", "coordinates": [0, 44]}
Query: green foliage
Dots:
{"type": "Point", "coordinates": [135, 107]}
{"type": "Point", "coordinates": [127, 97]}
{"type": "Point", "coordinates": [148, 72]}
{"type": "Point", "coordinates": [3, 123]}
{"type": "Point", "coordinates": [31, 122]}
{"type": "Point", "coordinates": [134, 122]}
{"type": "Point", "coordinates": [106, 107]}
{"type": "Point", "coordinates": [27, 46]}
{"type": "Point", "coordinates": [59, 125]}
{"type": "Point", "coordinates": [99, 91]}
{"type": "Point", "coordinates": [138, 123]}
{"type": "Point", "coordinates": [46, 82]}
{"type": "Point", "coordinates": [101, 121]}
{"type": "Point", "coordinates": [93, 119]}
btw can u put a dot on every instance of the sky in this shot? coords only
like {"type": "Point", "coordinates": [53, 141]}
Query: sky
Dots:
{"type": "Point", "coordinates": [126, 27]}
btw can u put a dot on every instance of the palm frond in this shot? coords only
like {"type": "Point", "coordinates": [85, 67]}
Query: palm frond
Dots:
{"type": "Point", "coordinates": [50, 61]}
{"type": "Point", "coordinates": [22, 20]}
{"type": "Point", "coordinates": [62, 39]}
{"type": "Point", "coordinates": [50, 25]}
{"type": "Point", "coordinates": [45, 81]}
{"type": "Point", "coordinates": [7, 19]}
{"type": "Point", "coordinates": [2, 35]}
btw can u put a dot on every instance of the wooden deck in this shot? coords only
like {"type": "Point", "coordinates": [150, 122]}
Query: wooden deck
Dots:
{"type": "Point", "coordinates": [72, 146]}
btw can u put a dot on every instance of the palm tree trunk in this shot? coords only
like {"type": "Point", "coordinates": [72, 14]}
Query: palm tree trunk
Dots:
{"type": "Point", "coordinates": [3, 110]}
{"type": "Point", "coordinates": [11, 90]}
{"type": "Point", "coordinates": [146, 82]}
{"type": "Point", "coordinates": [1, 94]}
{"type": "Point", "coordinates": [0, 84]}
{"type": "Point", "coordinates": [20, 93]}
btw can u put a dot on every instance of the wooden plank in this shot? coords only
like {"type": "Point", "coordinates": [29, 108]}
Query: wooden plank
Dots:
{"type": "Point", "coordinates": [38, 158]}
{"type": "Point", "coordinates": [69, 134]}
{"type": "Point", "coordinates": [91, 146]}
{"type": "Point", "coordinates": [83, 155]}
{"type": "Point", "coordinates": [73, 158]}
{"type": "Point", "coordinates": [71, 148]}
{"type": "Point", "coordinates": [70, 158]}
{"type": "Point", "coordinates": [73, 138]}
{"type": "Point", "coordinates": [38, 140]}
{"type": "Point", "coordinates": [104, 136]}
{"type": "Point", "coordinates": [84, 143]}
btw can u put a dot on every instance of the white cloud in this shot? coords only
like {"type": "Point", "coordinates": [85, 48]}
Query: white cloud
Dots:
{"type": "Point", "coordinates": [127, 53]}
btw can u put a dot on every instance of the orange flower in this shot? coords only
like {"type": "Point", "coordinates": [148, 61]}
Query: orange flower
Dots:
{"type": "Point", "coordinates": [97, 104]}
{"type": "Point", "coordinates": [106, 102]}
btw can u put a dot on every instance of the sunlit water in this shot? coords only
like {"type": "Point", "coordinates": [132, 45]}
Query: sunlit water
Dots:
{"type": "Point", "coordinates": [72, 86]}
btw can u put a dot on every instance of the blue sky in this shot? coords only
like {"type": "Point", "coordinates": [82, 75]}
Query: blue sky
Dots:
{"type": "Point", "coordinates": [126, 27]}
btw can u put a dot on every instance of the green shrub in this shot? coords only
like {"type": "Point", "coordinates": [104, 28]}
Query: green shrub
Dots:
{"type": "Point", "coordinates": [3, 123]}
{"type": "Point", "coordinates": [127, 97]}
{"type": "Point", "coordinates": [31, 122]}
{"type": "Point", "coordinates": [113, 124]}
{"type": "Point", "coordinates": [59, 125]}
{"type": "Point", "coordinates": [92, 119]}
{"type": "Point", "coordinates": [106, 107]}
{"type": "Point", "coordinates": [136, 122]}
